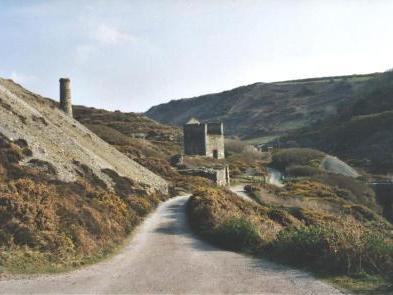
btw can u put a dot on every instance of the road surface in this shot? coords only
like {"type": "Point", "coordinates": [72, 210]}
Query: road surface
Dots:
{"type": "Point", "coordinates": [165, 257]}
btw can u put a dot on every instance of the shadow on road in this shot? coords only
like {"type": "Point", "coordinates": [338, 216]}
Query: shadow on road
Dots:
{"type": "Point", "coordinates": [177, 224]}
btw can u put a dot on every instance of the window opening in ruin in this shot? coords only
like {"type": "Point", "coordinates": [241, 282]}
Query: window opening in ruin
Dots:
{"type": "Point", "coordinates": [215, 154]}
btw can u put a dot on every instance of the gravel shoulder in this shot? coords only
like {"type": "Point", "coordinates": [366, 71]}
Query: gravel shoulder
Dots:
{"type": "Point", "coordinates": [164, 256]}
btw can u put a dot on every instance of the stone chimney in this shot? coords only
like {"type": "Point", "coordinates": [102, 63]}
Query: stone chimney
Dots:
{"type": "Point", "coordinates": [65, 96]}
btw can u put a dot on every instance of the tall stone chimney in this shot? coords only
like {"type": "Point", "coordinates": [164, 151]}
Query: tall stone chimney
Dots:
{"type": "Point", "coordinates": [65, 96]}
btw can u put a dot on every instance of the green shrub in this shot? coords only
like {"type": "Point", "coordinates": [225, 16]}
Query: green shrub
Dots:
{"type": "Point", "coordinates": [237, 233]}
{"type": "Point", "coordinates": [302, 171]}
{"type": "Point", "coordinates": [296, 156]}
{"type": "Point", "coordinates": [379, 255]}
{"type": "Point", "coordinates": [326, 248]}
{"type": "Point", "coordinates": [304, 246]}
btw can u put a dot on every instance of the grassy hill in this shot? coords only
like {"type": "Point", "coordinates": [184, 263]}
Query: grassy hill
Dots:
{"type": "Point", "coordinates": [362, 131]}
{"type": "Point", "coordinates": [267, 110]}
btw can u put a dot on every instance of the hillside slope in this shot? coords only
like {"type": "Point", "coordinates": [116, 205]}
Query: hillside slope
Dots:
{"type": "Point", "coordinates": [362, 132]}
{"type": "Point", "coordinates": [67, 198]}
{"type": "Point", "coordinates": [62, 142]}
{"type": "Point", "coordinates": [266, 109]}
{"type": "Point", "coordinates": [147, 142]}
{"type": "Point", "coordinates": [141, 135]}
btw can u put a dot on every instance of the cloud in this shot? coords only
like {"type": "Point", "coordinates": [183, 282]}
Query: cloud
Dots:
{"type": "Point", "coordinates": [111, 35]}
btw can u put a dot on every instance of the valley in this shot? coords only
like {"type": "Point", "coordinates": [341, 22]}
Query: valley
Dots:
{"type": "Point", "coordinates": [164, 256]}
{"type": "Point", "coordinates": [196, 147]}
{"type": "Point", "coordinates": [281, 199]}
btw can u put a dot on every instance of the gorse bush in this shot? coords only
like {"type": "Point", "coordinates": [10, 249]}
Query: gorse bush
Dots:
{"type": "Point", "coordinates": [237, 233]}
{"type": "Point", "coordinates": [48, 225]}
{"type": "Point", "coordinates": [349, 188]}
{"type": "Point", "coordinates": [348, 249]}
{"type": "Point", "coordinates": [302, 171]}
{"type": "Point", "coordinates": [318, 240]}
{"type": "Point", "coordinates": [296, 157]}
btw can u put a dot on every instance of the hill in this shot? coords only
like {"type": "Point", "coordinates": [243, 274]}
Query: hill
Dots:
{"type": "Point", "coordinates": [361, 132]}
{"type": "Point", "coordinates": [133, 134]}
{"type": "Point", "coordinates": [145, 141]}
{"type": "Point", "coordinates": [266, 110]}
{"type": "Point", "coordinates": [62, 142]}
{"type": "Point", "coordinates": [67, 198]}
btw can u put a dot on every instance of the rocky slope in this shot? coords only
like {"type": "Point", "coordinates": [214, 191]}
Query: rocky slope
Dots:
{"type": "Point", "coordinates": [265, 110]}
{"type": "Point", "coordinates": [61, 142]}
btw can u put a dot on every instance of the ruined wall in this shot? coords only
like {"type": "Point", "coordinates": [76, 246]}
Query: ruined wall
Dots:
{"type": "Point", "coordinates": [222, 176]}
{"type": "Point", "coordinates": [219, 175]}
{"type": "Point", "coordinates": [215, 141]}
{"type": "Point", "coordinates": [195, 139]}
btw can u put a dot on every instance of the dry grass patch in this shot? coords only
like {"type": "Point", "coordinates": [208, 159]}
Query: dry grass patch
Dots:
{"type": "Point", "coordinates": [47, 225]}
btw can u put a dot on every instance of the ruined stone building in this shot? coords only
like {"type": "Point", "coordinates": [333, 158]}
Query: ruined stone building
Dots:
{"type": "Point", "coordinates": [207, 140]}
{"type": "Point", "coordinates": [204, 139]}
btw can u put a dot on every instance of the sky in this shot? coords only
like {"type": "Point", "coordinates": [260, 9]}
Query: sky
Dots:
{"type": "Point", "coordinates": [131, 55]}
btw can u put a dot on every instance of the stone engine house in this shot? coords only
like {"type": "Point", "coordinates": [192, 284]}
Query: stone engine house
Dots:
{"type": "Point", "coordinates": [204, 139]}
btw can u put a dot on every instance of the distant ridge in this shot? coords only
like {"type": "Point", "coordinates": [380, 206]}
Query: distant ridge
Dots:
{"type": "Point", "coordinates": [266, 110]}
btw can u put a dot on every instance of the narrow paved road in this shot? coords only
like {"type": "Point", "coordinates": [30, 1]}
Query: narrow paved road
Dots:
{"type": "Point", "coordinates": [165, 257]}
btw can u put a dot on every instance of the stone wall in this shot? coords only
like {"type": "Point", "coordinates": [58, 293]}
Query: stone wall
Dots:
{"type": "Point", "coordinates": [215, 146]}
{"type": "Point", "coordinates": [219, 175]}
{"type": "Point", "coordinates": [195, 139]}
{"type": "Point", "coordinates": [215, 140]}
{"type": "Point", "coordinates": [222, 176]}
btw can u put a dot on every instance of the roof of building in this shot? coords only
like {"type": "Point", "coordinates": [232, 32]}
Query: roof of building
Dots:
{"type": "Point", "coordinates": [193, 121]}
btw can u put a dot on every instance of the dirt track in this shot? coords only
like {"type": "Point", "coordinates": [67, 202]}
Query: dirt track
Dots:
{"type": "Point", "coordinates": [165, 257]}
